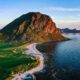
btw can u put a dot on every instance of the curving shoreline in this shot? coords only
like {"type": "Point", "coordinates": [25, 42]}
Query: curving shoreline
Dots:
{"type": "Point", "coordinates": [34, 52]}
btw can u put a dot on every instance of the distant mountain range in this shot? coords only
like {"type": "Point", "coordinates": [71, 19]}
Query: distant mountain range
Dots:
{"type": "Point", "coordinates": [67, 30]}
{"type": "Point", "coordinates": [33, 26]}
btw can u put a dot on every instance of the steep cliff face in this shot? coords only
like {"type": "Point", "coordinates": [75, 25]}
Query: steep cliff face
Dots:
{"type": "Point", "coordinates": [32, 26]}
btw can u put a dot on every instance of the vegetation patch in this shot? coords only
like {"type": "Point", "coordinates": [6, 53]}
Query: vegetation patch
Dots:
{"type": "Point", "coordinates": [14, 61]}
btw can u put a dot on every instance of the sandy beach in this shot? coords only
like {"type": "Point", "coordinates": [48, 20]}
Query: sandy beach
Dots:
{"type": "Point", "coordinates": [34, 52]}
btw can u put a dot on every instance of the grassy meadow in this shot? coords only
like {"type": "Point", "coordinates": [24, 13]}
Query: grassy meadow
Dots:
{"type": "Point", "coordinates": [12, 60]}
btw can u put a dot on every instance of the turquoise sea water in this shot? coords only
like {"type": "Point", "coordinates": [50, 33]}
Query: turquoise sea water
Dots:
{"type": "Point", "coordinates": [63, 61]}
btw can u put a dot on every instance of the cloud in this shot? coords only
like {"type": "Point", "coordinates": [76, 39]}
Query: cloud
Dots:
{"type": "Point", "coordinates": [1, 26]}
{"type": "Point", "coordinates": [72, 25]}
{"type": "Point", "coordinates": [63, 9]}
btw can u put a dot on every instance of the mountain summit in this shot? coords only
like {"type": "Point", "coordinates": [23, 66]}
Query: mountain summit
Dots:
{"type": "Point", "coordinates": [33, 26]}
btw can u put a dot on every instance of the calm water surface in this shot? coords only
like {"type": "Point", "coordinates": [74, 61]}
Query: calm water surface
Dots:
{"type": "Point", "coordinates": [62, 60]}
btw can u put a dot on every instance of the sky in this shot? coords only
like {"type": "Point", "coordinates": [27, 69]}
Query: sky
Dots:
{"type": "Point", "coordinates": [65, 13]}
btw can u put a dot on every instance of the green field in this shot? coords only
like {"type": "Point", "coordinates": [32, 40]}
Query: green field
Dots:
{"type": "Point", "coordinates": [12, 60]}
{"type": "Point", "coordinates": [4, 45]}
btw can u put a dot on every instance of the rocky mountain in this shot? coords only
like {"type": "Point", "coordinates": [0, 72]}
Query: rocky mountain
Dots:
{"type": "Point", "coordinates": [33, 26]}
{"type": "Point", "coordinates": [67, 30]}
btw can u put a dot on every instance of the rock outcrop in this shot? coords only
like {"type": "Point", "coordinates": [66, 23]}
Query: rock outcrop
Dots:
{"type": "Point", "coordinates": [32, 26]}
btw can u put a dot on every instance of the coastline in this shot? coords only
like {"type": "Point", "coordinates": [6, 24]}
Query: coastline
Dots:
{"type": "Point", "coordinates": [33, 52]}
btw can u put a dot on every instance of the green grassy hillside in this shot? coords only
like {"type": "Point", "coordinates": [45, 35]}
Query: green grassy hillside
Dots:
{"type": "Point", "coordinates": [12, 60]}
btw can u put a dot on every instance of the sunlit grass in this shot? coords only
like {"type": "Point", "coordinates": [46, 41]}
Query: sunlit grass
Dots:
{"type": "Point", "coordinates": [13, 60]}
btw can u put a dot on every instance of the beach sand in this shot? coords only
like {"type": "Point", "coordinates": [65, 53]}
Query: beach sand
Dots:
{"type": "Point", "coordinates": [34, 52]}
